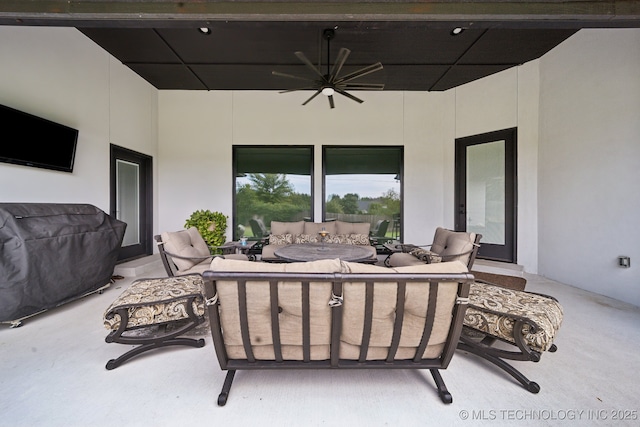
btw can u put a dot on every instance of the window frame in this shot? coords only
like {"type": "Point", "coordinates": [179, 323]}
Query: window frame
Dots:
{"type": "Point", "coordinates": [234, 156]}
{"type": "Point", "coordinates": [400, 149]}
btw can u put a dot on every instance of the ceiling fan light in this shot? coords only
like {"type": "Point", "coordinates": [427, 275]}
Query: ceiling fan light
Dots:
{"type": "Point", "coordinates": [205, 30]}
{"type": "Point", "coordinates": [456, 31]}
{"type": "Point", "coordinates": [328, 91]}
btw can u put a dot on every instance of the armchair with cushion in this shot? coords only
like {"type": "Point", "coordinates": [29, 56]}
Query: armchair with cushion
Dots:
{"type": "Point", "coordinates": [379, 233]}
{"type": "Point", "coordinates": [447, 245]}
{"type": "Point", "coordinates": [258, 229]}
{"type": "Point", "coordinates": [185, 252]}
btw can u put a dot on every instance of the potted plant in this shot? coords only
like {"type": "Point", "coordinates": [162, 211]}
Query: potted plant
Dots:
{"type": "Point", "coordinates": [212, 226]}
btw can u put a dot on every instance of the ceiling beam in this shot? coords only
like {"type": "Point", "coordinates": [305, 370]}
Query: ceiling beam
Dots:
{"type": "Point", "coordinates": [471, 13]}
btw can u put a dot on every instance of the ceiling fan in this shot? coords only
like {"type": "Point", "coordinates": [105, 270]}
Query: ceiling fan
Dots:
{"type": "Point", "coordinates": [331, 82]}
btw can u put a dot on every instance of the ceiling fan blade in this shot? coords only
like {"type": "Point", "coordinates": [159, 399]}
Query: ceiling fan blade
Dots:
{"type": "Point", "coordinates": [331, 104]}
{"type": "Point", "coordinates": [361, 86]}
{"type": "Point", "coordinates": [340, 60]}
{"type": "Point", "coordinates": [291, 76]}
{"type": "Point", "coordinates": [312, 96]}
{"type": "Point", "coordinates": [308, 63]}
{"type": "Point", "coordinates": [348, 95]}
{"type": "Point", "coordinates": [361, 72]}
{"type": "Point", "coordinates": [298, 88]}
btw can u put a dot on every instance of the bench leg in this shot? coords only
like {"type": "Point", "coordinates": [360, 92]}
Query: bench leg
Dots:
{"type": "Point", "coordinates": [154, 341]}
{"type": "Point", "coordinates": [226, 388]}
{"type": "Point", "coordinates": [444, 394]}
{"type": "Point", "coordinates": [478, 350]}
{"type": "Point", "coordinates": [114, 363]}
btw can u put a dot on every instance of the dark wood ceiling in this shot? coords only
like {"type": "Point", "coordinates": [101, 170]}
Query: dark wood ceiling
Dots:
{"type": "Point", "coordinates": [160, 41]}
{"type": "Point", "coordinates": [242, 55]}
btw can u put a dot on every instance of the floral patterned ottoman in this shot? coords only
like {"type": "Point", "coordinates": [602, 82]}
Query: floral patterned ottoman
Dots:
{"type": "Point", "coordinates": [142, 313]}
{"type": "Point", "coordinates": [526, 320]}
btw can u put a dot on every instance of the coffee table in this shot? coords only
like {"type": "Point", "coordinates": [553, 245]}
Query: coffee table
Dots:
{"type": "Point", "coordinates": [316, 251]}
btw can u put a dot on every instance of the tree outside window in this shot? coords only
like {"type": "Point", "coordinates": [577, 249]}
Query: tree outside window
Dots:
{"type": "Point", "coordinates": [271, 184]}
{"type": "Point", "coordinates": [363, 184]}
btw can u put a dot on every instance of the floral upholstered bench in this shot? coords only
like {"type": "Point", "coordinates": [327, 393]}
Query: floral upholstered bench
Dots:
{"type": "Point", "coordinates": [526, 320]}
{"type": "Point", "coordinates": [154, 313]}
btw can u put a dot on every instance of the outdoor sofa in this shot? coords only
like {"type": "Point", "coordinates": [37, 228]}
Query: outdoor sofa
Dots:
{"type": "Point", "coordinates": [332, 314]}
{"type": "Point", "coordinates": [297, 232]}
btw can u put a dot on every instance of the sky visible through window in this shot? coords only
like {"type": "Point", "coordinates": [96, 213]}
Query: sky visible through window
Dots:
{"type": "Point", "coordinates": [369, 185]}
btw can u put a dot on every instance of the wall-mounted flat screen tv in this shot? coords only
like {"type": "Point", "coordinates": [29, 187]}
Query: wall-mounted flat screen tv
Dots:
{"type": "Point", "coordinates": [29, 140]}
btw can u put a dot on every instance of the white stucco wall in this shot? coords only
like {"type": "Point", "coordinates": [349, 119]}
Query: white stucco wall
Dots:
{"type": "Point", "coordinates": [197, 130]}
{"type": "Point", "coordinates": [61, 75]}
{"type": "Point", "coordinates": [501, 101]}
{"type": "Point", "coordinates": [589, 163]}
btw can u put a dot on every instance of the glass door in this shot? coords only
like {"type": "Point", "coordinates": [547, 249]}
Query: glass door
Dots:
{"type": "Point", "coordinates": [486, 192]}
{"type": "Point", "coordinates": [131, 200]}
{"type": "Point", "coordinates": [128, 199]}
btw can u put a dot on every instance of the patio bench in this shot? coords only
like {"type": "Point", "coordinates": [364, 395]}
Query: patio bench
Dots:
{"type": "Point", "coordinates": [333, 314]}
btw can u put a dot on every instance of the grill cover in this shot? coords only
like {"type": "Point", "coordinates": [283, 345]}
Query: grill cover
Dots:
{"type": "Point", "coordinates": [51, 254]}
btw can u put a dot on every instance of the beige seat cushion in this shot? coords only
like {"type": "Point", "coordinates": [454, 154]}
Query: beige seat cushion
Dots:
{"type": "Point", "coordinates": [443, 267]}
{"type": "Point", "coordinates": [321, 266]}
{"type": "Point", "coordinates": [384, 309]}
{"type": "Point", "coordinates": [316, 227]}
{"type": "Point", "coordinates": [449, 243]}
{"type": "Point", "coordinates": [268, 252]}
{"type": "Point", "coordinates": [279, 228]}
{"type": "Point", "coordinates": [289, 302]}
{"type": "Point", "coordinates": [186, 243]}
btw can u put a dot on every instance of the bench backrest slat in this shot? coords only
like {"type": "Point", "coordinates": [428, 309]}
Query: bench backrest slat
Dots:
{"type": "Point", "coordinates": [397, 326]}
{"type": "Point", "coordinates": [244, 320]}
{"type": "Point", "coordinates": [306, 323]}
{"type": "Point", "coordinates": [275, 320]}
{"type": "Point", "coordinates": [428, 321]}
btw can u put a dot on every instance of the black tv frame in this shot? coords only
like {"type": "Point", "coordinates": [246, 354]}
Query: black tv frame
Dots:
{"type": "Point", "coordinates": [35, 141]}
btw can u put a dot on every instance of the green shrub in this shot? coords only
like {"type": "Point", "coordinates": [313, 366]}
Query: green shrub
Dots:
{"type": "Point", "coordinates": [212, 226]}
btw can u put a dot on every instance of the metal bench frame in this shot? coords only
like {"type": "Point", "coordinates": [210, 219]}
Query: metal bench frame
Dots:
{"type": "Point", "coordinates": [335, 362]}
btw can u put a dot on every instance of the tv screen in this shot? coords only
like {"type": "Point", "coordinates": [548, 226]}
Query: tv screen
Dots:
{"type": "Point", "coordinates": [33, 141]}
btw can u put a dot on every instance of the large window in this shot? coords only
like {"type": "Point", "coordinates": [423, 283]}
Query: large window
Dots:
{"type": "Point", "coordinates": [364, 184]}
{"type": "Point", "coordinates": [271, 184]}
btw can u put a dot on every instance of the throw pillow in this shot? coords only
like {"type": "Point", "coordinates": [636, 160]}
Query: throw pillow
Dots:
{"type": "Point", "coordinates": [426, 256]}
{"type": "Point", "coordinates": [280, 239]}
{"type": "Point", "coordinates": [306, 238]}
{"type": "Point", "coordinates": [360, 239]}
